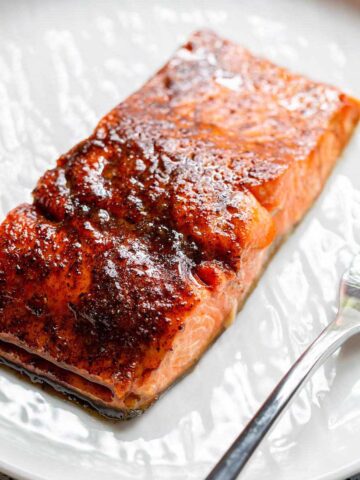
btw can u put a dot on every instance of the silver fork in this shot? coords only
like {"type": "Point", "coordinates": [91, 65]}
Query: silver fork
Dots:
{"type": "Point", "coordinates": [345, 325]}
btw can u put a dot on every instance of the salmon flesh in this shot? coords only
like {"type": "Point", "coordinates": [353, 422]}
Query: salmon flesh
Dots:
{"type": "Point", "coordinates": [143, 242]}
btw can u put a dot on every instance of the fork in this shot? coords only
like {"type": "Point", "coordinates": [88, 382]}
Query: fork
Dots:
{"type": "Point", "coordinates": [344, 326]}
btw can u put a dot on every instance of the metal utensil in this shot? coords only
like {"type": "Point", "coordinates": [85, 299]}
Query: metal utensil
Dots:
{"type": "Point", "coordinates": [345, 325]}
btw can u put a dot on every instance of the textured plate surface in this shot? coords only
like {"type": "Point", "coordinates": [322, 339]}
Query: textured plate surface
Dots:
{"type": "Point", "coordinates": [62, 66]}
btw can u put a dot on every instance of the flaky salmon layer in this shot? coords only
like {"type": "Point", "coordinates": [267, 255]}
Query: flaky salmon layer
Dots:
{"type": "Point", "coordinates": [144, 240]}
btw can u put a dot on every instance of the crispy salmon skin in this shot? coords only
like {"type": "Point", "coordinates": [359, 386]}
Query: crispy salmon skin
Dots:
{"type": "Point", "coordinates": [143, 241]}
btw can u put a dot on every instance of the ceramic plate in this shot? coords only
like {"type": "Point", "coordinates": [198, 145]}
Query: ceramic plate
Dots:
{"type": "Point", "coordinates": [63, 64]}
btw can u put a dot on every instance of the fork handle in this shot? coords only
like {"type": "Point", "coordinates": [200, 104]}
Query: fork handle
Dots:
{"type": "Point", "coordinates": [346, 324]}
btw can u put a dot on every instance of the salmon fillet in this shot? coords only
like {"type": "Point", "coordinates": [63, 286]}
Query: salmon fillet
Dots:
{"type": "Point", "coordinates": [144, 240]}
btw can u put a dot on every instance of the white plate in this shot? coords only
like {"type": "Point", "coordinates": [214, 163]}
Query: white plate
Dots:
{"type": "Point", "coordinates": [63, 64]}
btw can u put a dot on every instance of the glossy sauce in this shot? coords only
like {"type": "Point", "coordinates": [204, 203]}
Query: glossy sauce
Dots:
{"type": "Point", "coordinates": [163, 205]}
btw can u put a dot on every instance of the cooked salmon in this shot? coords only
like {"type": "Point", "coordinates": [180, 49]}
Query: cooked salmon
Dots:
{"type": "Point", "coordinates": [143, 242]}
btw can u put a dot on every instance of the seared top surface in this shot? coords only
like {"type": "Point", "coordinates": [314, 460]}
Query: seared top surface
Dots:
{"type": "Point", "coordinates": [138, 222]}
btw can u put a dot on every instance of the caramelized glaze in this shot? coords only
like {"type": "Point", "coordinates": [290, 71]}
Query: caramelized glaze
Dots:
{"type": "Point", "coordinates": [166, 203]}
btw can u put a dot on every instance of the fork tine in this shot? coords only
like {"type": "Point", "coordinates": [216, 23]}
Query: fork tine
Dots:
{"type": "Point", "coordinates": [350, 284]}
